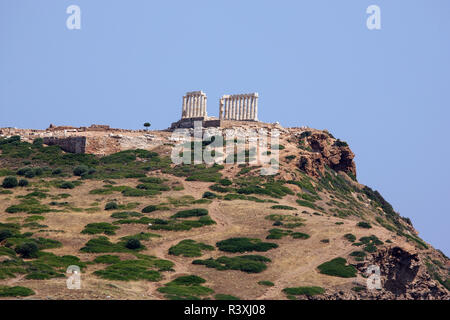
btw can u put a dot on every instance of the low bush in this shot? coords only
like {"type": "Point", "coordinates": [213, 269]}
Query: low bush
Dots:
{"type": "Point", "coordinates": [107, 259]}
{"type": "Point", "coordinates": [350, 237]}
{"type": "Point", "coordinates": [103, 245]}
{"type": "Point", "coordinates": [245, 245]}
{"type": "Point", "coordinates": [247, 263]}
{"type": "Point", "coordinates": [125, 214]}
{"type": "Point", "coordinates": [190, 213]}
{"type": "Point", "coordinates": [338, 268]}
{"type": "Point", "coordinates": [300, 235]}
{"type": "Point", "coordinates": [130, 270]}
{"type": "Point", "coordinates": [225, 297]}
{"type": "Point", "coordinates": [149, 209]}
{"type": "Point", "coordinates": [189, 248]}
{"type": "Point", "coordinates": [133, 244]}
{"type": "Point", "coordinates": [111, 206]}
{"type": "Point", "coordinates": [209, 195]}
{"type": "Point", "coordinates": [15, 291]}
{"type": "Point", "coordinates": [80, 170]}
{"type": "Point", "coordinates": [10, 182]}
{"type": "Point", "coordinates": [308, 291]}
{"type": "Point", "coordinates": [100, 227]}
{"type": "Point", "coordinates": [282, 207]}
{"type": "Point", "coordinates": [66, 185]}
{"type": "Point", "coordinates": [27, 250]}
{"type": "Point", "coordinates": [266, 283]}
{"type": "Point", "coordinates": [364, 225]}
{"type": "Point", "coordinates": [186, 287]}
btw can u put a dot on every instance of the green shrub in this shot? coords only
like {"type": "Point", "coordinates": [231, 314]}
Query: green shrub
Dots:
{"type": "Point", "coordinates": [209, 195]}
{"type": "Point", "coordinates": [248, 263]}
{"type": "Point", "coordinates": [245, 244]}
{"type": "Point", "coordinates": [57, 171]}
{"type": "Point", "coordinates": [281, 207]}
{"type": "Point", "coordinates": [111, 206]}
{"type": "Point", "coordinates": [308, 291]}
{"type": "Point", "coordinates": [133, 244]}
{"type": "Point", "coordinates": [130, 270]}
{"type": "Point", "coordinates": [350, 237]}
{"type": "Point", "coordinates": [225, 182]}
{"type": "Point", "coordinates": [125, 214]}
{"type": "Point", "coordinates": [144, 236]}
{"type": "Point", "coordinates": [175, 225]}
{"type": "Point", "coordinates": [338, 268]}
{"type": "Point", "coordinates": [189, 248]}
{"type": "Point", "coordinates": [107, 259]}
{"type": "Point", "coordinates": [277, 233]}
{"type": "Point", "coordinates": [27, 250]}
{"type": "Point", "coordinates": [225, 297]}
{"type": "Point", "coordinates": [80, 170]}
{"type": "Point", "coordinates": [67, 185]}
{"type": "Point", "coordinates": [364, 225]}
{"type": "Point", "coordinates": [305, 203]}
{"type": "Point", "coordinates": [23, 183]}
{"type": "Point", "coordinates": [185, 287]}
{"type": "Point", "coordinates": [300, 235]}
{"type": "Point", "coordinates": [15, 291]}
{"type": "Point", "coordinates": [358, 254]}
{"type": "Point", "coordinates": [266, 283]}
{"type": "Point", "coordinates": [100, 227]}
{"type": "Point", "coordinates": [10, 182]}
{"type": "Point", "coordinates": [103, 245]}
{"type": "Point", "coordinates": [149, 209]}
{"type": "Point", "coordinates": [190, 213]}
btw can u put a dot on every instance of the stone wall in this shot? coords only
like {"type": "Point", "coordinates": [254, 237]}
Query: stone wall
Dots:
{"type": "Point", "coordinates": [68, 144]}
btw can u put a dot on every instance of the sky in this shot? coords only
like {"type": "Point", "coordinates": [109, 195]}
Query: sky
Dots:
{"type": "Point", "coordinates": [314, 63]}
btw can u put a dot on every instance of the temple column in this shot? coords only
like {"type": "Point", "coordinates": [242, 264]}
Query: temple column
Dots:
{"type": "Point", "coordinates": [256, 108]}
{"type": "Point", "coordinates": [183, 113]}
{"type": "Point", "coordinates": [252, 109]}
{"type": "Point", "coordinates": [188, 107]}
{"type": "Point", "coordinates": [246, 108]}
{"type": "Point", "coordinates": [239, 113]}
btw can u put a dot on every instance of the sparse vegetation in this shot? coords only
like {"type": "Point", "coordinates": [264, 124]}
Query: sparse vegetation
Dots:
{"type": "Point", "coordinates": [337, 267]}
{"type": "Point", "coordinates": [308, 291]}
{"type": "Point", "coordinates": [248, 263]}
{"type": "Point", "coordinates": [186, 287]}
{"type": "Point", "coordinates": [189, 248]}
{"type": "Point", "coordinates": [245, 245]}
{"type": "Point", "coordinates": [100, 227]}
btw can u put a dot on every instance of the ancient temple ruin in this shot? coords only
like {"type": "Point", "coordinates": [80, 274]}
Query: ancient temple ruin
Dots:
{"type": "Point", "coordinates": [235, 107]}
{"type": "Point", "coordinates": [194, 105]}
{"type": "Point", "coordinates": [239, 107]}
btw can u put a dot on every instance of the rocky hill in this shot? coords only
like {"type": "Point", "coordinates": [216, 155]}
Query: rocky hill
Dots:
{"type": "Point", "coordinates": [140, 227]}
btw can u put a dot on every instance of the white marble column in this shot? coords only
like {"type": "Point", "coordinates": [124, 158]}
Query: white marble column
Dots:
{"type": "Point", "coordinates": [256, 108]}
{"type": "Point", "coordinates": [252, 109]}
{"type": "Point", "coordinates": [183, 112]}
{"type": "Point", "coordinates": [227, 109]}
{"type": "Point", "coordinates": [239, 114]}
{"type": "Point", "coordinates": [188, 107]}
{"type": "Point", "coordinates": [246, 108]}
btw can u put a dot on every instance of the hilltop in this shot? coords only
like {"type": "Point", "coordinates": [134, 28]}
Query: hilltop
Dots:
{"type": "Point", "coordinates": [112, 202]}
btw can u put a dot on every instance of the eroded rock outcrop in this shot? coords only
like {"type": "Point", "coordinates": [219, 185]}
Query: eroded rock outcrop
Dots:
{"type": "Point", "coordinates": [320, 149]}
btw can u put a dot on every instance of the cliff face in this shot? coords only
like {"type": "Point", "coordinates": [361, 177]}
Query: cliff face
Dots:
{"type": "Point", "coordinates": [321, 149]}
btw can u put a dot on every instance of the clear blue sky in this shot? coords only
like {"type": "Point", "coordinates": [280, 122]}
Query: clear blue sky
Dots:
{"type": "Point", "coordinates": [313, 62]}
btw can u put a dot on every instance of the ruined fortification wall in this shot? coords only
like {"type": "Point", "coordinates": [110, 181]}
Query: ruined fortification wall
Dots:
{"type": "Point", "coordinates": [69, 144]}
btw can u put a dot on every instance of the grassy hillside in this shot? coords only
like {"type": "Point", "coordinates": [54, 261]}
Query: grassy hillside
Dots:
{"type": "Point", "coordinates": [140, 228]}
